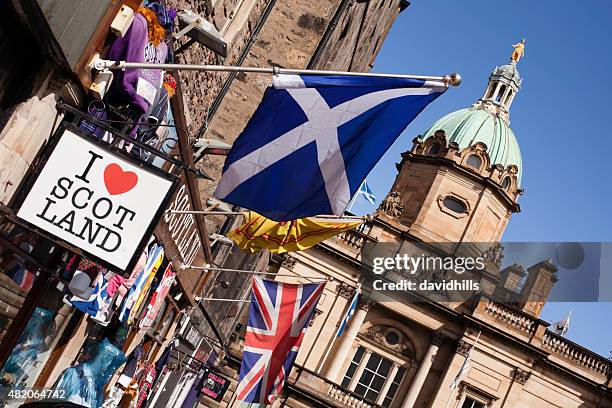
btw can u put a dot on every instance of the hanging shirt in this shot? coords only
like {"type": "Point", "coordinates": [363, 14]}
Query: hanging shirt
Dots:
{"type": "Point", "coordinates": [137, 87]}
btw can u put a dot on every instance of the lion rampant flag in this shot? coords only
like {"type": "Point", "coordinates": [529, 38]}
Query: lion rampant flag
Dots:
{"type": "Point", "coordinates": [259, 232]}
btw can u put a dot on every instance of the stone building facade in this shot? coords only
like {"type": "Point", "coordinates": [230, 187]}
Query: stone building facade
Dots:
{"type": "Point", "coordinates": [459, 183]}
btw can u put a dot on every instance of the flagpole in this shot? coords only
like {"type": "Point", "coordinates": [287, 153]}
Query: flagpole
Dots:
{"type": "Point", "coordinates": [450, 397]}
{"type": "Point", "coordinates": [352, 202]}
{"type": "Point", "coordinates": [211, 268]}
{"type": "Point", "coordinates": [99, 64]}
{"type": "Point", "coordinates": [244, 214]}
{"type": "Point", "coordinates": [329, 348]}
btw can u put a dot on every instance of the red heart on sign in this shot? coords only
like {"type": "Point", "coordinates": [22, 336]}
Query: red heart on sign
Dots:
{"type": "Point", "coordinates": [118, 181]}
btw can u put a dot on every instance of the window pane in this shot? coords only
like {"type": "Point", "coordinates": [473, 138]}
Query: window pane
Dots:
{"type": "Point", "coordinates": [454, 205]}
{"type": "Point", "coordinates": [366, 377]}
{"type": "Point", "coordinates": [385, 367]}
{"type": "Point", "coordinates": [372, 395]}
{"type": "Point", "coordinates": [470, 403]}
{"type": "Point", "coordinates": [399, 375]}
{"type": "Point", "coordinates": [377, 382]}
{"type": "Point", "coordinates": [358, 354]}
{"type": "Point", "coordinates": [373, 361]}
{"type": "Point", "coordinates": [345, 382]}
{"type": "Point", "coordinates": [360, 390]}
{"type": "Point", "coordinates": [351, 370]}
{"type": "Point", "coordinates": [474, 161]}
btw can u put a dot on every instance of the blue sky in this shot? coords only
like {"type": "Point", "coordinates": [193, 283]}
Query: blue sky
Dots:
{"type": "Point", "coordinates": [561, 115]}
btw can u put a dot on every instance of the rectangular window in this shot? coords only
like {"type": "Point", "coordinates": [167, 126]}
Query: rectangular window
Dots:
{"type": "Point", "coordinates": [470, 403]}
{"type": "Point", "coordinates": [373, 378]}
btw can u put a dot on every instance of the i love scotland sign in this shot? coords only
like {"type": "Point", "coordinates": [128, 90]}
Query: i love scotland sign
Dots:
{"type": "Point", "coordinates": [97, 200]}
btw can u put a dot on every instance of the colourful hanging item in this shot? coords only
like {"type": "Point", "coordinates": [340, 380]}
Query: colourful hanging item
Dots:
{"type": "Point", "coordinates": [139, 290]}
{"type": "Point", "coordinates": [158, 297]}
{"type": "Point", "coordinates": [259, 232]}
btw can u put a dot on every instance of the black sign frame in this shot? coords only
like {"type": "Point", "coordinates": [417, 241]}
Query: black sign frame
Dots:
{"type": "Point", "coordinates": [27, 185]}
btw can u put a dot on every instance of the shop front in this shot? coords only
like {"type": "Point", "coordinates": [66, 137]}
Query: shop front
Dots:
{"type": "Point", "coordinates": [89, 293]}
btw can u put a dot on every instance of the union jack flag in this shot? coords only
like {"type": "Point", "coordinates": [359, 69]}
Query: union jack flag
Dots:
{"type": "Point", "coordinates": [279, 315]}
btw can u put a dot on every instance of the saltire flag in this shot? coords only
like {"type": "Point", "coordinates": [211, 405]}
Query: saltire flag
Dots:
{"type": "Point", "coordinates": [314, 138]}
{"type": "Point", "coordinates": [365, 191]}
{"type": "Point", "coordinates": [562, 327]}
{"type": "Point", "coordinates": [258, 232]}
{"type": "Point", "coordinates": [349, 314]}
{"type": "Point", "coordinates": [278, 318]}
{"type": "Point", "coordinates": [97, 302]}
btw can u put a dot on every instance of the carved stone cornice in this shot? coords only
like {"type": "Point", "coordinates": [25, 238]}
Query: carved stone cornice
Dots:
{"type": "Point", "coordinates": [346, 291]}
{"type": "Point", "coordinates": [437, 338]}
{"type": "Point", "coordinates": [374, 336]}
{"type": "Point", "coordinates": [365, 303]}
{"type": "Point", "coordinates": [463, 348]}
{"type": "Point", "coordinates": [288, 261]}
{"type": "Point", "coordinates": [521, 376]}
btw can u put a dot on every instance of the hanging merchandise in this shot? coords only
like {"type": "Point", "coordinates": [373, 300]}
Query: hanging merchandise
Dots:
{"type": "Point", "coordinates": [127, 284]}
{"type": "Point", "coordinates": [84, 383]}
{"type": "Point", "coordinates": [117, 392]}
{"type": "Point", "coordinates": [34, 341]}
{"type": "Point", "coordinates": [97, 303]}
{"type": "Point", "coordinates": [147, 378]}
{"type": "Point", "coordinates": [141, 286]}
{"type": "Point", "coordinates": [158, 297]}
{"type": "Point", "coordinates": [138, 88]}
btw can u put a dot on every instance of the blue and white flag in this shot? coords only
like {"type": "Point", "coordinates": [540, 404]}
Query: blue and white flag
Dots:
{"type": "Point", "coordinates": [367, 193]}
{"type": "Point", "coordinates": [313, 139]}
{"type": "Point", "coordinates": [349, 314]}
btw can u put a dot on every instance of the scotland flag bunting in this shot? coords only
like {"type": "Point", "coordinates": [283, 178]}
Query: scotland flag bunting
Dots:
{"type": "Point", "coordinates": [313, 139]}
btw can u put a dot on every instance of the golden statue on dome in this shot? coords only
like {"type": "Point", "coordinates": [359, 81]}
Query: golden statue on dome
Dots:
{"type": "Point", "coordinates": [519, 51]}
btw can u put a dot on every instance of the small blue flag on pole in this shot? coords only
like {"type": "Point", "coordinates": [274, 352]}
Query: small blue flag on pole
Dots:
{"type": "Point", "coordinates": [349, 314]}
{"type": "Point", "coordinates": [367, 193]}
{"type": "Point", "coordinates": [314, 138]}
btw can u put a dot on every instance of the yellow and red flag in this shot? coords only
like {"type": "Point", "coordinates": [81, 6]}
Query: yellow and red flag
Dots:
{"type": "Point", "coordinates": [259, 232]}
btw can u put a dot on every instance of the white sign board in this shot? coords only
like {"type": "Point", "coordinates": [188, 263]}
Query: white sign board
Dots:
{"type": "Point", "coordinates": [95, 200]}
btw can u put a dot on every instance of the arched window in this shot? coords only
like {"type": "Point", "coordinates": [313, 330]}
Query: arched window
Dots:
{"type": "Point", "coordinates": [506, 183]}
{"type": "Point", "coordinates": [435, 148]}
{"type": "Point", "coordinates": [508, 98]}
{"type": "Point", "coordinates": [474, 161]}
{"type": "Point", "coordinates": [500, 94]}
{"type": "Point", "coordinates": [454, 205]}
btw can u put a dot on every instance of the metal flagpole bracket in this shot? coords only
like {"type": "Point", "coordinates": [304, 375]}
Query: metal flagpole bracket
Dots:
{"type": "Point", "coordinates": [99, 64]}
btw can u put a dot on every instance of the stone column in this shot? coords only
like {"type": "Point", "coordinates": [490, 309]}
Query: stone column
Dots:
{"type": "Point", "coordinates": [357, 375]}
{"type": "Point", "coordinates": [423, 371]}
{"type": "Point", "coordinates": [387, 384]}
{"type": "Point", "coordinates": [347, 340]}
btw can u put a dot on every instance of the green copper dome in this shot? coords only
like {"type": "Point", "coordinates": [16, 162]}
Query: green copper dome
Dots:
{"type": "Point", "coordinates": [468, 126]}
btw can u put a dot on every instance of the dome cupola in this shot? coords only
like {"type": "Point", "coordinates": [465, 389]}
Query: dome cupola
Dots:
{"type": "Point", "coordinates": [487, 122]}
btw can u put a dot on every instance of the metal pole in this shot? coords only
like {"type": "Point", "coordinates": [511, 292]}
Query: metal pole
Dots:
{"type": "Point", "coordinates": [450, 397]}
{"type": "Point", "coordinates": [101, 65]}
{"type": "Point", "coordinates": [226, 300]}
{"type": "Point", "coordinates": [244, 214]}
{"type": "Point", "coordinates": [211, 268]}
